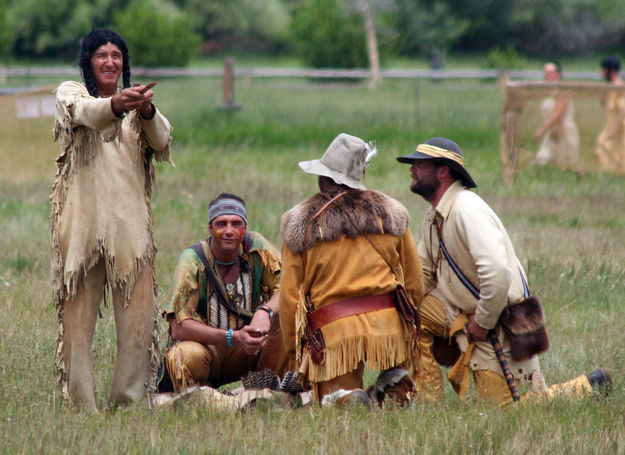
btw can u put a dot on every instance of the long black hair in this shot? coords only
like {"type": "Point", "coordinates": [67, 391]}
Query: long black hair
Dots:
{"type": "Point", "coordinates": [611, 65]}
{"type": "Point", "coordinates": [90, 43]}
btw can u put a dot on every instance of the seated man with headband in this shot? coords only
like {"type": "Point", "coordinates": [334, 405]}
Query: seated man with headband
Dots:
{"type": "Point", "coordinates": [223, 310]}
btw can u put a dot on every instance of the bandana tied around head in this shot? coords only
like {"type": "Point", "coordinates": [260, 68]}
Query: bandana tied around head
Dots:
{"type": "Point", "coordinates": [227, 207]}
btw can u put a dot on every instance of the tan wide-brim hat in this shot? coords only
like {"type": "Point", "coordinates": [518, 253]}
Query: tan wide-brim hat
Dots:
{"type": "Point", "coordinates": [344, 161]}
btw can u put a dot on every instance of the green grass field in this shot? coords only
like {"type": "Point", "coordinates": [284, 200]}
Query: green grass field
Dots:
{"type": "Point", "coordinates": [569, 233]}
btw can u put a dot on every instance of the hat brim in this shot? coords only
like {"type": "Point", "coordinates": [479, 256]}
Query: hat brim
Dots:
{"type": "Point", "coordinates": [466, 178]}
{"type": "Point", "coordinates": [316, 167]}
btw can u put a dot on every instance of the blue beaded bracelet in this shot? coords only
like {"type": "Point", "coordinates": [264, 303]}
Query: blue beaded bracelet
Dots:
{"type": "Point", "coordinates": [229, 337]}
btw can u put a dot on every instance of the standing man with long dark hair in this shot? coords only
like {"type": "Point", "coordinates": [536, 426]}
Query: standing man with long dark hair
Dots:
{"type": "Point", "coordinates": [102, 223]}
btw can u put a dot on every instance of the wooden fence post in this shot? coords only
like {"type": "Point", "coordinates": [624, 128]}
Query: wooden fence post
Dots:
{"type": "Point", "coordinates": [228, 86]}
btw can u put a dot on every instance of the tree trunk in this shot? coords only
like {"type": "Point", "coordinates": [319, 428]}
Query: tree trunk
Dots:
{"type": "Point", "coordinates": [372, 45]}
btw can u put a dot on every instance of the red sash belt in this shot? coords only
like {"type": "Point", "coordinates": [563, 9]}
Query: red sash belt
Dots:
{"type": "Point", "coordinates": [349, 307]}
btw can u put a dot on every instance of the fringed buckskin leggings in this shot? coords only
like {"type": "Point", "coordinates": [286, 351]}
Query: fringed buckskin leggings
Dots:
{"type": "Point", "coordinates": [135, 326]}
{"type": "Point", "coordinates": [489, 385]}
{"type": "Point", "coordinates": [191, 363]}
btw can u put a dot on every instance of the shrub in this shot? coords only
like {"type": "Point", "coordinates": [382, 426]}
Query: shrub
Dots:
{"type": "Point", "coordinates": [5, 30]}
{"type": "Point", "coordinates": [329, 34]}
{"type": "Point", "coordinates": [157, 34]}
{"type": "Point", "coordinates": [505, 59]}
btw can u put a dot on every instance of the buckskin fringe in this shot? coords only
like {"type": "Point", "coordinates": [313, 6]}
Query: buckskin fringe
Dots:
{"type": "Point", "coordinates": [301, 322]}
{"type": "Point", "coordinates": [155, 358]}
{"type": "Point", "coordinates": [77, 149]}
{"type": "Point", "coordinates": [77, 142]}
{"type": "Point", "coordinates": [381, 353]}
{"type": "Point", "coordinates": [59, 357]}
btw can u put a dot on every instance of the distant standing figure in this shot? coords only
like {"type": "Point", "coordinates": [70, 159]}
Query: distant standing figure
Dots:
{"type": "Point", "coordinates": [102, 223]}
{"type": "Point", "coordinates": [610, 151]}
{"type": "Point", "coordinates": [560, 137]}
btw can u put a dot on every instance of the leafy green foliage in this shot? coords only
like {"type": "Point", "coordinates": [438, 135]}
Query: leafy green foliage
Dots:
{"type": "Point", "coordinates": [157, 33]}
{"type": "Point", "coordinates": [329, 34]}
{"type": "Point", "coordinates": [507, 58]}
{"type": "Point", "coordinates": [5, 31]}
{"type": "Point", "coordinates": [428, 27]}
{"type": "Point", "coordinates": [48, 27]}
{"type": "Point", "coordinates": [247, 24]}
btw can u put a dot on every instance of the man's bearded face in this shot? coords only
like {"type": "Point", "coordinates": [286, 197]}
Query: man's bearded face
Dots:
{"type": "Point", "coordinates": [425, 181]}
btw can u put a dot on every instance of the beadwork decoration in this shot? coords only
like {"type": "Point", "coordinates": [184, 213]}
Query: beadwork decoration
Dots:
{"type": "Point", "coordinates": [230, 289]}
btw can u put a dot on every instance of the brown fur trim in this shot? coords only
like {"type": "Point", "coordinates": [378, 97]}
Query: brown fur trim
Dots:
{"type": "Point", "coordinates": [389, 378]}
{"type": "Point", "coordinates": [393, 385]}
{"type": "Point", "coordinates": [356, 213]}
{"type": "Point", "coordinates": [524, 326]}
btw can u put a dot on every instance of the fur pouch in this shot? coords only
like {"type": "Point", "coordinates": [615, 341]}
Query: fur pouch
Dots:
{"type": "Point", "coordinates": [446, 351]}
{"type": "Point", "coordinates": [393, 385]}
{"type": "Point", "coordinates": [525, 327]}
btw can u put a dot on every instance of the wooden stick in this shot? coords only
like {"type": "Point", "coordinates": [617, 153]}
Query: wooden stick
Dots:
{"type": "Point", "coordinates": [492, 336]}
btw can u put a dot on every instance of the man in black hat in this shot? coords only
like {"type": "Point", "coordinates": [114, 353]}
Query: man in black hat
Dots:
{"type": "Point", "coordinates": [482, 255]}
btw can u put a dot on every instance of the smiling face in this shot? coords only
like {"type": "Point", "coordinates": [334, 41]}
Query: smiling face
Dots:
{"type": "Point", "coordinates": [227, 232]}
{"type": "Point", "coordinates": [107, 63]}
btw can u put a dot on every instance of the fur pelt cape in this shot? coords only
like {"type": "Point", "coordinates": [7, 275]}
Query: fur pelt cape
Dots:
{"type": "Point", "coordinates": [355, 213]}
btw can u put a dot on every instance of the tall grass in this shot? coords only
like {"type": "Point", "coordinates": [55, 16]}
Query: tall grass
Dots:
{"type": "Point", "coordinates": [568, 231]}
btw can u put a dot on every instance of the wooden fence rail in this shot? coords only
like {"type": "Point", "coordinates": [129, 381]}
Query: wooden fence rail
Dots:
{"type": "Point", "coordinates": [249, 72]}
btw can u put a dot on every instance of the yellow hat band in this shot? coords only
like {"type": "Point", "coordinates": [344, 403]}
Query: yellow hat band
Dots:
{"type": "Point", "coordinates": [437, 152]}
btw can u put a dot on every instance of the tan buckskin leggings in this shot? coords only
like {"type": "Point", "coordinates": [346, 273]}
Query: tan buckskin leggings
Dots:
{"type": "Point", "coordinates": [191, 363]}
{"type": "Point", "coordinates": [349, 381]}
{"type": "Point", "coordinates": [135, 326]}
{"type": "Point", "coordinates": [489, 385]}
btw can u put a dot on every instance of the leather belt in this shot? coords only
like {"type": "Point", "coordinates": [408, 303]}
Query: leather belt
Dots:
{"type": "Point", "coordinates": [349, 307]}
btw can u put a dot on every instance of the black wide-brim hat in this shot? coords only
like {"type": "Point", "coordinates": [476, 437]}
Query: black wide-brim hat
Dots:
{"type": "Point", "coordinates": [443, 151]}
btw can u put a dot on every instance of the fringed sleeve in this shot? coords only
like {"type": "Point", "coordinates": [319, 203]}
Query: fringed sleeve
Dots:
{"type": "Point", "coordinates": [292, 311]}
{"type": "Point", "coordinates": [185, 288]}
{"type": "Point", "coordinates": [156, 133]}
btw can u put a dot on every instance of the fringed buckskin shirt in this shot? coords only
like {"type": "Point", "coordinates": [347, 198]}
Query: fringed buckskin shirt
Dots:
{"type": "Point", "coordinates": [479, 245]}
{"type": "Point", "coordinates": [102, 191]}
{"type": "Point", "coordinates": [341, 263]}
{"type": "Point", "coordinates": [193, 298]}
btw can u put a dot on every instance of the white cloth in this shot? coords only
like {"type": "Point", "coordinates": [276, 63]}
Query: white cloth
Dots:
{"type": "Point", "coordinates": [560, 144]}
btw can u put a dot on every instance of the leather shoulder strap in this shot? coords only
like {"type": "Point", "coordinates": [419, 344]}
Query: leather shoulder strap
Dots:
{"type": "Point", "coordinates": [475, 291]}
{"type": "Point", "coordinates": [217, 286]}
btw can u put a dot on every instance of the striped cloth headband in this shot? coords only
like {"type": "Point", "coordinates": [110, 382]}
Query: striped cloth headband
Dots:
{"type": "Point", "coordinates": [227, 207]}
{"type": "Point", "coordinates": [437, 152]}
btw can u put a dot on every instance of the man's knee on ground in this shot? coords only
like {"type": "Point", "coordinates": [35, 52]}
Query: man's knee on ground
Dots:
{"type": "Point", "coordinates": [188, 363]}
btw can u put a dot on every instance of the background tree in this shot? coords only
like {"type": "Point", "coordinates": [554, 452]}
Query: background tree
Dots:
{"type": "Point", "coordinates": [5, 32]}
{"type": "Point", "coordinates": [48, 28]}
{"type": "Point", "coordinates": [252, 25]}
{"type": "Point", "coordinates": [566, 26]}
{"type": "Point", "coordinates": [329, 34]}
{"type": "Point", "coordinates": [157, 33]}
{"type": "Point", "coordinates": [429, 27]}
{"type": "Point", "coordinates": [372, 43]}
